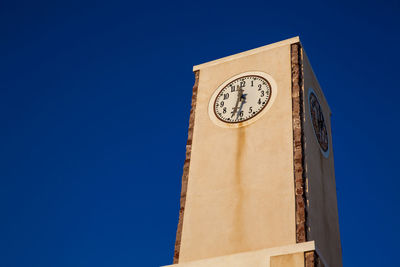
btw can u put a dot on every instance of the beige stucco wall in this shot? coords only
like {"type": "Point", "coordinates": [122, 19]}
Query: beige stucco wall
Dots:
{"type": "Point", "coordinates": [288, 260]}
{"type": "Point", "coordinates": [286, 256]}
{"type": "Point", "coordinates": [322, 210]}
{"type": "Point", "coordinates": [240, 194]}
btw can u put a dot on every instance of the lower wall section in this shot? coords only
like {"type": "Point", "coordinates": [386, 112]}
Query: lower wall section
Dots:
{"type": "Point", "coordinates": [288, 256]}
{"type": "Point", "coordinates": [293, 259]}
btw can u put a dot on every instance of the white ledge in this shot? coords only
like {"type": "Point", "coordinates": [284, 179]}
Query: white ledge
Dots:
{"type": "Point", "coordinates": [241, 259]}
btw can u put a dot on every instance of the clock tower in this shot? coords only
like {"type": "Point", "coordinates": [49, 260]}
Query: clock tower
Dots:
{"type": "Point", "coordinates": [258, 185]}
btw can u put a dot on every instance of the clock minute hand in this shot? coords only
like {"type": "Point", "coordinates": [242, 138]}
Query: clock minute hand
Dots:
{"type": "Point", "coordinates": [240, 92]}
{"type": "Point", "coordinates": [243, 100]}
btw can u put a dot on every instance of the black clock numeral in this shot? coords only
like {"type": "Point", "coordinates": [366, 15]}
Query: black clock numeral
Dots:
{"type": "Point", "coordinates": [262, 93]}
{"type": "Point", "coordinates": [259, 87]}
{"type": "Point", "coordinates": [252, 83]}
{"type": "Point", "coordinates": [242, 83]}
{"type": "Point", "coordinates": [232, 88]}
{"type": "Point", "coordinates": [241, 113]}
{"type": "Point", "coordinates": [226, 96]}
{"type": "Point", "coordinates": [224, 110]}
{"type": "Point", "coordinates": [250, 109]}
{"type": "Point", "coordinates": [222, 104]}
{"type": "Point", "coordinates": [259, 101]}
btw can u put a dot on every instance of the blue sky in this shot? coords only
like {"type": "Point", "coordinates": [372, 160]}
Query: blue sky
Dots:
{"type": "Point", "coordinates": [94, 109]}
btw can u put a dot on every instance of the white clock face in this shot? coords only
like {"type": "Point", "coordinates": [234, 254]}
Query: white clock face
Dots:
{"type": "Point", "coordinates": [242, 99]}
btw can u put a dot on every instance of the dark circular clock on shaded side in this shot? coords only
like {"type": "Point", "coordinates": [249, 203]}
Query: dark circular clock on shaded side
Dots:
{"type": "Point", "coordinates": [318, 122]}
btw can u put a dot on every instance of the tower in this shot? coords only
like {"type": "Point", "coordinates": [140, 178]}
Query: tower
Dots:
{"type": "Point", "coordinates": [258, 185]}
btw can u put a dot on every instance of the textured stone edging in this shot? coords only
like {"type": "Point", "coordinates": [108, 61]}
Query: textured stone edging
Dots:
{"type": "Point", "coordinates": [185, 174]}
{"type": "Point", "coordinates": [312, 259]}
{"type": "Point", "coordinates": [309, 259]}
{"type": "Point", "coordinates": [298, 144]}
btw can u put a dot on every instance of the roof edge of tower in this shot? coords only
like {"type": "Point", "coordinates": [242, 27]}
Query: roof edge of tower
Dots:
{"type": "Point", "coordinates": [247, 53]}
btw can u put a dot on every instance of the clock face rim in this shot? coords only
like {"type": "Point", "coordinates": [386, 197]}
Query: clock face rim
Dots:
{"type": "Point", "coordinates": [253, 115]}
{"type": "Point", "coordinates": [324, 152]}
{"type": "Point", "coordinates": [273, 93]}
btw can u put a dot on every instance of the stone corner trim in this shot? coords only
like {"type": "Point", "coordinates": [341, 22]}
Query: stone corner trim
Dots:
{"type": "Point", "coordinates": [298, 142]}
{"type": "Point", "coordinates": [185, 174]}
{"type": "Point", "coordinates": [309, 259]}
{"type": "Point", "coordinates": [312, 259]}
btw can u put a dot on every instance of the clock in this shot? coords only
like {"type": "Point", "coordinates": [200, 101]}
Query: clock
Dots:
{"type": "Point", "coordinates": [318, 122]}
{"type": "Point", "coordinates": [242, 99]}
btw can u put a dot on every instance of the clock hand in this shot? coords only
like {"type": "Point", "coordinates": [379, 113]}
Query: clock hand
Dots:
{"type": "Point", "coordinates": [243, 100]}
{"type": "Point", "coordinates": [320, 120]}
{"type": "Point", "coordinates": [240, 92]}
